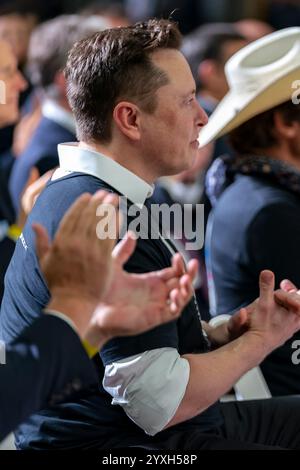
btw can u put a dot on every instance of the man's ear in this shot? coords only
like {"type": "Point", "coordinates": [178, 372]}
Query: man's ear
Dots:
{"type": "Point", "coordinates": [126, 117]}
{"type": "Point", "coordinates": [286, 130]}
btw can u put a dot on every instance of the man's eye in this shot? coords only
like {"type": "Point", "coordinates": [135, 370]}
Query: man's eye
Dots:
{"type": "Point", "coordinates": [6, 73]}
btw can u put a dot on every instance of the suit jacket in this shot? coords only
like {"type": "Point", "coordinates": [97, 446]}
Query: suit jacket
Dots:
{"type": "Point", "coordinates": [46, 364]}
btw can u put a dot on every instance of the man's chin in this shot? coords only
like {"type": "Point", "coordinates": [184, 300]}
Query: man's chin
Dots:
{"type": "Point", "coordinates": [178, 171]}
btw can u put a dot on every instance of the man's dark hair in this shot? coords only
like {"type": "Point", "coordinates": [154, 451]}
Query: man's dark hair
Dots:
{"type": "Point", "coordinates": [258, 133]}
{"type": "Point", "coordinates": [207, 42]}
{"type": "Point", "coordinates": [112, 66]}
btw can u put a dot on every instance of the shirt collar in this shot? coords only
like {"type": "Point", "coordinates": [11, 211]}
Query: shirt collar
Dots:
{"type": "Point", "coordinates": [74, 158]}
{"type": "Point", "coordinates": [53, 111]}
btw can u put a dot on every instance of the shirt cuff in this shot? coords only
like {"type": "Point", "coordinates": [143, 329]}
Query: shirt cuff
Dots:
{"type": "Point", "coordinates": [149, 386]}
{"type": "Point", "coordinates": [219, 320]}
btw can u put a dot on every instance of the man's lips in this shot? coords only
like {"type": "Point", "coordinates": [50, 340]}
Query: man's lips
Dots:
{"type": "Point", "coordinates": [195, 143]}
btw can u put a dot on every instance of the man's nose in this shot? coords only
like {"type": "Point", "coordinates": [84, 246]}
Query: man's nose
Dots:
{"type": "Point", "coordinates": [202, 118]}
{"type": "Point", "coordinates": [20, 82]}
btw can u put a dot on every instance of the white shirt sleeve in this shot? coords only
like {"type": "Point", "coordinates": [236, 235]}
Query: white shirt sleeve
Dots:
{"type": "Point", "coordinates": [149, 386]}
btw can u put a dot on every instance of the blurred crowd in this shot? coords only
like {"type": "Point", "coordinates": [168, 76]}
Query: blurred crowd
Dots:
{"type": "Point", "coordinates": [40, 36]}
{"type": "Point", "coordinates": [246, 171]}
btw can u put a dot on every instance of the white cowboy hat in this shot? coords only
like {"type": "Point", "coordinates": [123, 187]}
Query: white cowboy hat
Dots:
{"type": "Point", "coordinates": [260, 77]}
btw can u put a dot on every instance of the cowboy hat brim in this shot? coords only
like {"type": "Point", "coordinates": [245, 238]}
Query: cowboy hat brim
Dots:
{"type": "Point", "coordinates": [237, 108]}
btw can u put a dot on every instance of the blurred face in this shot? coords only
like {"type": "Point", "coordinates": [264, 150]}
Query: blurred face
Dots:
{"type": "Point", "coordinates": [16, 30]}
{"type": "Point", "coordinates": [169, 135]}
{"type": "Point", "coordinates": [212, 72]}
{"type": "Point", "coordinates": [219, 81]}
{"type": "Point", "coordinates": [11, 84]}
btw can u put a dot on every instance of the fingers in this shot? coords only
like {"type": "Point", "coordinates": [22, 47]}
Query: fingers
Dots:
{"type": "Point", "coordinates": [34, 187]}
{"type": "Point", "coordinates": [87, 220]}
{"type": "Point", "coordinates": [183, 286]}
{"type": "Point", "coordinates": [176, 303]}
{"type": "Point", "coordinates": [112, 201]}
{"type": "Point", "coordinates": [186, 287]}
{"type": "Point", "coordinates": [172, 283]}
{"type": "Point", "coordinates": [82, 215]}
{"type": "Point", "coordinates": [266, 287]}
{"type": "Point", "coordinates": [178, 264]}
{"type": "Point", "coordinates": [41, 240]}
{"type": "Point", "coordinates": [178, 294]}
{"type": "Point", "coordinates": [178, 268]}
{"type": "Point", "coordinates": [125, 248]}
{"type": "Point", "coordinates": [181, 294]}
{"type": "Point", "coordinates": [288, 286]}
{"type": "Point", "coordinates": [101, 217]}
{"type": "Point", "coordinates": [167, 274]}
{"type": "Point", "coordinates": [180, 297]}
{"type": "Point", "coordinates": [288, 300]}
{"type": "Point", "coordinates": [99, 223]}
{"type": "Point", "coordinates": [193, 269]}
{"type": "Point", "coordinates": [243, 317]}
{"type": "Point", "coordinates": [70, 220]}
{"type": "Point", "coordinates": [27, 197]}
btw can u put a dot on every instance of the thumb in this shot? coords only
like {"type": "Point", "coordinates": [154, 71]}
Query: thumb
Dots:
{"type": "Point", "coordinates": [41, 240]}
{"type": "Point", "coordinates": [125, 248]}
{"type": "Point", "coordinates": [238, 320]}
{"type": "Point", "coordinates": [266, 286]}
{"type": "Point", "coordinates": [243, 316]}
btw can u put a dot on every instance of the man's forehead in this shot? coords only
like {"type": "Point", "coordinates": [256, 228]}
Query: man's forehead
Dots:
{"type": "Point", "coordinates": [167, 57]}
{"type": "Point", "coordinates": [174, 64]}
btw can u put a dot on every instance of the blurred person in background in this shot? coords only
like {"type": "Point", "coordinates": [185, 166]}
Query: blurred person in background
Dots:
{"type": "Point", "coordinates": [16, 26]}
{"type": "Point", "coordinates": [48, 50]}
{"type": "Point", "coordinates": [114, 12]}
{"type": "Point", "coordinates": [14, 84]}
{"type": "Point", "coordinates": [253, 29]}
{"type": "Point", "coordinates": [256, 193]}
{"type": "Point", "coordinates": [17, 21]}
{"type": "Point", "coordinates": [207, 50]}
{"type": "Point", "coordinates": [49, 46]}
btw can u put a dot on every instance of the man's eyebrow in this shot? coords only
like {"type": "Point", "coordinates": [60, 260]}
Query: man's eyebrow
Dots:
{"type": "Point", "coordinates": [192, 92]}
